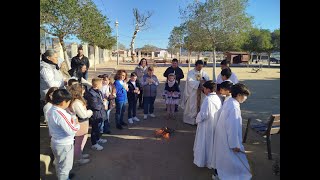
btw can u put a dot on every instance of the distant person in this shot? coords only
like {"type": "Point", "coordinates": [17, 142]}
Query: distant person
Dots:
{"type": "Point", "coordinates": [177, 71]}
{"type": "Point", "coordinates": [193, 95]}
{"type": "Point", "coordinates": [134, 88]}
{"type": "Point", "coordinates": [226, 75]}
{"type": "Point", "coordinates": [80, 59]}
{"type": "Point", "coordinates": [62, 127]}
{"type": "Point", "coordinates": [229, 157]}
{"type": "Point", "coordinates": [206, 123]}
{"type": "Point", "coordinates": [141, 70]}
{"type": "Point", "coordinates": [224, 64]}
{"type": "Point", "coordinates": [121, 88]}
{"type": "Point", "coordinates": [50, 75]}
{"type": "Point", "coordinates": [171, 94]}
{"type": "Point", "coordinates": [150, 83]}
{"type": "Point", "coordinates": [95, 103]}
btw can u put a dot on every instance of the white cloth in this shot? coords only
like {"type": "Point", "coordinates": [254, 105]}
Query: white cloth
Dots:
{"type": "Point", "coordinates": [189, 98]}
{"type": "Point", "coordinates": [45, 111]}
{"type": "Point", "coordinates": [106, 90]}
{"type": "Point", "coordinates": [206, 118]}
{"type": "Point", "coordinates": [233, 78]}
{"type": "Point", "coordinates": [61, 126]}
{"type": "Point", "coordinates": [134, 84]}
{"type": "Point", "coordinates": [80, 109]}
{"type": "Point", "coordinates": [49, 77]}
{"type": "Point", "coordinates": [228, 134]}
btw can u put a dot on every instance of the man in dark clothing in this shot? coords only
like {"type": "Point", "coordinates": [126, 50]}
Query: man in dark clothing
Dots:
{"type": "Point", "coordinates": [175, 70]}
{"type": "Point", "coordinates": [80, 59]}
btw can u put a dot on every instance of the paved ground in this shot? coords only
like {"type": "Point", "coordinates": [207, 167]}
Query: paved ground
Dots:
{"type": "Point", "coordinates": [133, 153]}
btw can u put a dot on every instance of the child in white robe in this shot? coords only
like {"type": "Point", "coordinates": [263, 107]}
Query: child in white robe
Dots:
{"type": "Point", "coordinates": [228, 152]}
{"type": "Point", "coordinates": [225, 90]}
{"type": "Point", "coordinates": [206, 118]}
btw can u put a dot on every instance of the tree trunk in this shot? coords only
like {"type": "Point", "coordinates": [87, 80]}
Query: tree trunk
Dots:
{"type": "Point", "coordinates": [214, 65]}
{"type": "Point", "coordinates": [269, 59]}
{"type": "Point", "coordinates": [132, 43]}
{"type": "Point", "coordinates": [189, 59]}
{"type": "Point", "coordinates": [64, 51]}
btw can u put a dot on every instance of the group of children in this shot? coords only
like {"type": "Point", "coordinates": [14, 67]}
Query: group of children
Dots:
{"type": "Point", "coordinates": [218, 141]}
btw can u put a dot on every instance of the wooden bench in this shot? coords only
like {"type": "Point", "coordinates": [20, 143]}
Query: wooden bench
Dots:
{"type": "Point", "coordinates": [265, 130]}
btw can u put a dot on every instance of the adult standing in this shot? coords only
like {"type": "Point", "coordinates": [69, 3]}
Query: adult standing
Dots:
{"type": "Point", "coordinates": [176, 70]}
{"type": "Point", "coordinates": [233, 78]}
{"type": "Point", "coordinates": [80, 59]}
{"type": "Point", "coordinates": [141, 70]}
{"type": "Point", "coordinates": [193, 95]}
{"type": "Point", "coordinates": [50, 74]}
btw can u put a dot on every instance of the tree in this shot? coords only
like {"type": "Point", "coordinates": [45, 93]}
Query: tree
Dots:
{"type": "Point", "coordinates": [149, 48]}
{"type": "Point", "coordinates": [176, 39]}
{"type": "Point", "coordinates": [259, 41]}
{"type": "Point", "coordinates": [60, 18]}
{"type": "Point", "coordinates": [275, 39]}
{"type": "Point", "coordinates": [141, 24]}
{"type": "Point", "coordinates": [223, 20]}
{"type": "Point", "coordinates": [97, 32]}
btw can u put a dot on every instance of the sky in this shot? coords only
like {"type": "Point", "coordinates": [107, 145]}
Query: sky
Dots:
{"type": "Point", "coordinates": [166, 15]}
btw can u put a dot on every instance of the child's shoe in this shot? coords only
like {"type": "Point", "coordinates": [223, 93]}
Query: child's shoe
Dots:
{"type": "Point", "coordinates": [97, 147]}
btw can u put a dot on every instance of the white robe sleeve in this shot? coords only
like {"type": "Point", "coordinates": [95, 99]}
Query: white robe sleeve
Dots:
{"type": "Point", "coordinates": [204, 111]}
{"type": "Point", "coordinates": [234, 78]}
{"type": "Point", "coordinates": [219, 79]}
{"type": "Point", "coordinates": [205, 75]}
{"type": "Point", "coordinates": [232, 128]}
{"type": "Point", "coordinates": [192, 82]}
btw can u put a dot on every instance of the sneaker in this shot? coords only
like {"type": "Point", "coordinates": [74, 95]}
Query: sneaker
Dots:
{"type": "Point", "coordinates": [124, 124]}
{"type": "Point", "coordinates": [82, 161]}
{"type": "Point", "coordinates": [85, 155]}
{"type": "Point", "coordinates": [102, 141]}
{"type": "Point", "coordinates": [152, 115]}
{"type": "Point", "coordinates": [145, 116]}
{"type": "Point", "coordinates": [97, 147]}
{"type": "Point", "coordinates": [130, 121]}
{"type": "Point", "coordinates": [136, 119]}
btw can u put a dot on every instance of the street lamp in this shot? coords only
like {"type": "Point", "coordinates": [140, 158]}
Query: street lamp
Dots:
{"type": "Point", "coordinates": [116, 23]}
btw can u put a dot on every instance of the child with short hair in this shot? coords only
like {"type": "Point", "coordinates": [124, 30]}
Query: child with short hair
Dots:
{"type": "Point", "coordinates": [225, 90]}
{"type": "Point", "coordinates": [226, 74]}
{"type": "Point", "coordinates": [229, 156]}
{"type": "Point", "coordinates": [171, 94]}
{"type": "Point", "coordinates": [72, 81]}
{"type": "Point", "coordinates": [150, 83]}
{"type": "Point", "coordinates": [95, 103]}
{"type": "Point", "coordinates": [78, 106]}
{"type": "Point", "coordinates": [133, 93]}
{"type": "Point", "coordinates": [62, 127]}
{"type": "Point", "coordinates": [48, 101]}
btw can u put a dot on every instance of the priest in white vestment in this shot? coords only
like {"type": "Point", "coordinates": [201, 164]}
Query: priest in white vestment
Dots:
{"type": "Point", "coordinates": [192, 91]}
{"type": "Point", "coordinates": [229, 157]}
{"type": "Point", "coordinates": [203, 144]}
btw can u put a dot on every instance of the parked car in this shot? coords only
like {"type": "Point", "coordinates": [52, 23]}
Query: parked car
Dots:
{"type": "Point", "coordinates": [272, 59]}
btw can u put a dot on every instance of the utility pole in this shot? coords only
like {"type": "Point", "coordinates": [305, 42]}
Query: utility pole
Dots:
{"type": "Point", "coordinates": [117, 42]}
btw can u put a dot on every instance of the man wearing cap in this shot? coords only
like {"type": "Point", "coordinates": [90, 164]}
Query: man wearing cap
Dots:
{"type": "Point", "coordinates": [80, 59]}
